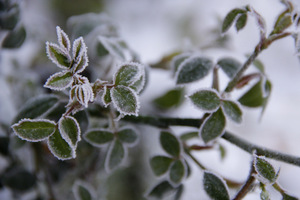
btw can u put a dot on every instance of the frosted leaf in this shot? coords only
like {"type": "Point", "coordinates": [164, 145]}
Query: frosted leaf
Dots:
{"type": "Point", "coordinates": [260, 22]}
{"type": "Point", "coordinates": [59, 80]}
{"type": "Point", "coordinates": [207, 100]}
{"type": "Point", "coordinates": [106, 98]}
{"type": "Point", "coordinates": [230, 18]}
{"type": "Point", "coordinates": [99, 137]}
{"type": "Point", "coordinates": [81, 63]}
{"type": "Point", "coordinates": [79, 48]}
{"type": "Point", "coordinates": [83, 94]}
{"type": "Point", "coordinates": [170, 143]}
{"type": "Point", "coordinates": [215, 186]}
{"type": "Point", "coordinates": [34, 130]}
{"type": "Point", "coordinates": [161, 190]}
{"type": "Point", "coordinates": [177, 60]}
{"type": "Point", "coordinates": [213, 126]}
{"type": "Point", "coordinates": [69, 130]}
{"type": "Point", "coordinates": [63, 39]}
{"type": "Point", "coordinates": [193, 69]}
{"type": "Point", "coordinates": [60, 148]}
{"type": "Point", "coordinates": [58, 55]}
{"type": "Point", "coordinates": [113, 46]}
{"type": "Point", "coordinates": [115, 155]}
{"type": "Point", "coordinates": [160, 164]}
{"type": "Point", "coordinates": [139, 85]}
{"type": "Point", "coordinates": [230, 66]}
{"type": "Point", "coordinates": [83, 191]}
{"type": "Point", "coordinates": [178, 172]}
{"type": "Point", "coordinates": [128, 73]}
{"type": "Point", "coordinates": [125, 100]}
{"type": "Point", "coordinates": [232, 110]}
{"type": "Point", "coordinates": [266, 172]}
{"type": "Point", "coordinates": [128, 136]}
{"type": "Point", "coordinates": [241, 21]}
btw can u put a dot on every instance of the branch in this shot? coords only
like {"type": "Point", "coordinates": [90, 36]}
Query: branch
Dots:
{"type": "Point", "coordinates": [165, 122]}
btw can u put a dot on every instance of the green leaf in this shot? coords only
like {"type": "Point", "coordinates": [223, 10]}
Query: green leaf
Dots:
{"type": "Point", "coordinates": [253, 97]}
{"type": "Point", "coordinates": [177, 172]}
{"type": "Point", "coordinates": [106, 98]}
{"type": "Point", "coordinates": [34, 130]}
{"type": "Point", "coordinates": [179, 192]}
{"type": "Point", "coordinates": [230, 17]}
{"type": "Point", "coordinates": [265, 170]}
{"type": "Point", "coordinates": [177, 60]}
{"type": "Point", "coordinates": [69, 130]}
{"type": "Point", "coordinates": [125, 100]}
{"type": "Point", "coordinates": [58, 55]}
{"type": "Point", "coordinates": [189, 135]}
{"type": "Point", "coordinates": [127, 74]}
{"type": "Point", "coordinates": [215, 186]}
{"type": "Point", "coordinates": [115, 155]}
{"type": "Point", "coordinates": [139, 85]}
{"type": "Point", "coordinates": [59, 147]}
{"type": "Point", "coordinates": [18, 179]}
{"type": "Point", "coordinates": [283, 22]}
{"type": "Point", "coordinates": [160, 164]}
{"type": "Point", "coordinates": [232, 111]}
{"type": "Point", "coordinates": [206, 100]}
{"type": "Point", "coordinates": [264, 194]}
{"type": "Point", "coordinates": [37, 107]}
{"type": "Point", "coordinates": [128, 136]}
{"type": "Point", "coordinates": [170, 143]}
{"type": "Point", "coordinates": [230, 66]}
{"type": "Point", "coordinates": [193, 69]}
{"type": "Point", "coordinates": [83, 191]}
{"type": "Point", "coordinates": [14, 38]}
{"type": "Point", "coordinates": [241, 21]}
{"type": "Point", "coordinates": [213, 126]}
{"type": "Point", "coordinates": [172, 98]}
{"type": "Point", "coordinates": [161, 190]}
{"type": "Point", "coordinates": [59, 81]}
{"type": "Point", "coordinates": [99, 137]}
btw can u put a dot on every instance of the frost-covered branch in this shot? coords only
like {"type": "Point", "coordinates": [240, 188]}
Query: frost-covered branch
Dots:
{"type": "Point", "coordinates": [163, 122]}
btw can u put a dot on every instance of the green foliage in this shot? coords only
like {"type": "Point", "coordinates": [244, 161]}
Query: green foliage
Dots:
{"type": "Point", "coordinates": [101, 110]}
{"type": "Point", "coordinates": [213, 127]}
{"type": "Point", "coordinates": [193, 69]}
{"type": "Point", "coordinates": [171, 99]}
{"type": "Point", "coordinates": [215, 187]}
{"type": "Point", "coordinates": [207, 100]}
{"type": "Point", "coordinates": [170, 143]}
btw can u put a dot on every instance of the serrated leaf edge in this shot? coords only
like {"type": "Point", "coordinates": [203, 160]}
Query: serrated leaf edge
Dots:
{"type": "Point", "coordinates": [32, 120]}
{"type": "Point", "coordinates": [73, 152]}
{"type": "Point", "coordinates": [46, 85]}
{"type": "Point", "coordinates": [140, 73]}
{"type": "Point", "coordinates": [65, 136]}
{"type": "Point", "coordinates": [118, 108]}
{"type": "Point", "coordinates": [60, 35]}
{"type": "Point", "coordinates": [60, 50]}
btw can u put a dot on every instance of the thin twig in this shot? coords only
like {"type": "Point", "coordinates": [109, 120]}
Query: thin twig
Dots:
{"type": "Point", "coordinates": [247, 186]}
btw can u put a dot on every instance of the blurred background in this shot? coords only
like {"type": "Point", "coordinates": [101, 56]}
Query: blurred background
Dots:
{"type": "Point", "coordinates": [155, 29]}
